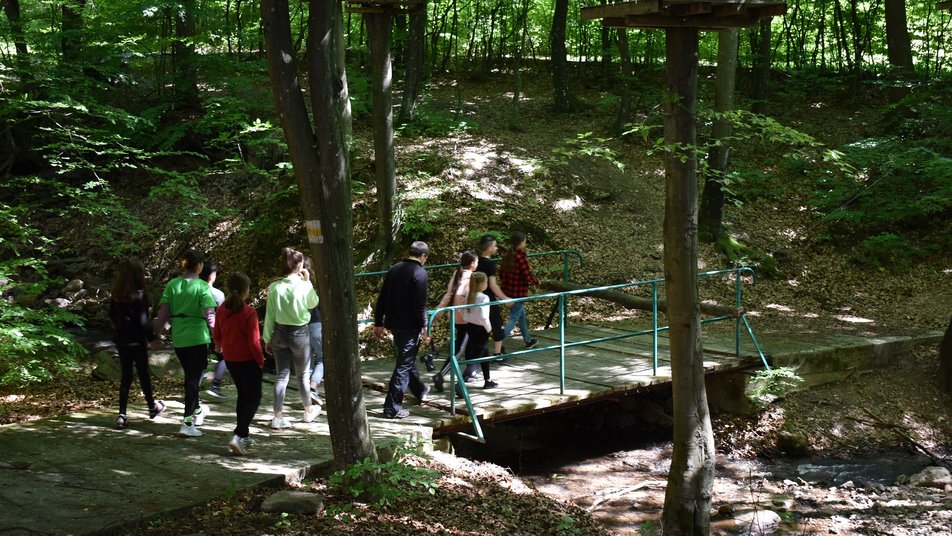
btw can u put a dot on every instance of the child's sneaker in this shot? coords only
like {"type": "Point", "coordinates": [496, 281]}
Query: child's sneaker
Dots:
{"type": "Point", "coordinates": [279, 423]}
{"type": "Point", "coordinates": [214, 391]}
{"type": "Point", "coordinates": [237, 446]}
{"type": "Point", "coordinates": [199, 415]}
{"type": "Point", "coordinates": [188, 430]}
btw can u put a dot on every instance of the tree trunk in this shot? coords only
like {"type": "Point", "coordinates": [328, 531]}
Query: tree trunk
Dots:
{"type": "Point", "coordinates": [379, 32]}
{"type": "Point", "coordinates": [515, 122]}
{"type": "Point", "coordinates": [687, 500]}
{"type": "Point", "coordinates": [560, 68]}
{"type": "Point", "coordinates": [899, 48]}
{"type": "Point", "coordinates": [945, 360]}
{"type": "Point", "coordinates": [712, 201]}
{"type": "Point", "coordinates": [323, 178]}
{"type": "Point", "coordinates": [414, 70]}
{"type": "Point", "coordinates": [12, 10]}
{"type": "Point", "coordinates": [761, 51]}
{"type": "Point", "coordinates": [624, 107]}
{"type": "Point", "coordinates": [606, 56]}
{"type": "Point", "coordinates": [183, 51]}
{"type": "Point", "coordinates": [71, 41]}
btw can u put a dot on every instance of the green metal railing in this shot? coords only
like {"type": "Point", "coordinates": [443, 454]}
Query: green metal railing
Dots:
{"type": "Point", "coordinates": [561, 301]}
{"type": "Point", "coordinates": [567, 256]}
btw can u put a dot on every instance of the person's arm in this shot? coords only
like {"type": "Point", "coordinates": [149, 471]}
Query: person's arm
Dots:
{"type": "Point", "coordinates": [419, 299]}
{"type": "Point", "coordinates": [447, 297]}
{"type": "Point", "coordinates": [484, 315]}
{"type": "Point", "coordinates": [217, 336]}
{"type": "Point", "coordinates": [269, 319]}
{"type": "Point", "coordinates": [381, 308]}
{"type": "Point", "coordinates": [526, 270]}
{"type": "Point", "coordinates": [494, 286]}
{"type": "Point", "coordinates": [210, 317]}
{"type": "Point", "coordinates": [255, 338]}
{"type": "Point", "coordinates": [162, 319]}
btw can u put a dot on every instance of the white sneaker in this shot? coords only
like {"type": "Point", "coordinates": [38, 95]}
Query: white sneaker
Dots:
{"type": "Point", "coordinates": [237, 446]}
{"type": "Point", "coordinates": [247, 442]}
{"type": "Point", "coordinates": [199, 415]}
{"type": "Point", "coordinates": [312, 412]}
{"type": "Point", "coordinates": [188, 430]}
{"type": "Point", "coordinates": [279, 423]}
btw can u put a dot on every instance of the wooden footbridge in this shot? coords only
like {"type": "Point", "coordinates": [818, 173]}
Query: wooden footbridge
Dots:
{"type": "Point", "coordinates": [573, 363]}
{"type": "Point", "coordinates": [530, 382]}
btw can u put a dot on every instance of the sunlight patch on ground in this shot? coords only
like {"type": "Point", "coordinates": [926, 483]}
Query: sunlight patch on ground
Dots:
{"type": "Point", "coordinates": [854, 319]}
{"type": "Point", "coordinates": [810, 315]}
{"type": "Point", "coordinates": [793, 282]}
{"type": "Point", "coordinates": [566, 205]}
{"type": "Point", "coordinates": [13, 398]}
{"type": "Point", "coordinates": [778, 307]}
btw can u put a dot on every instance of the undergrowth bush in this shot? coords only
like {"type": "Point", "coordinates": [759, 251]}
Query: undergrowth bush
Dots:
{"type": "Point", "coordinates": [380, 484]}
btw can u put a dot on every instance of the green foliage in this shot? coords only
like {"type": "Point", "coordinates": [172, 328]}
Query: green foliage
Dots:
{"type": "Point", "coordinates": [34, 339]}
{"type": "Point", "coordinates": [182, 191]}
{"type": "Point", "coordinates": [418, 216]}
{"type": "Point", "coordinates": [585, 146]}
{"type": "Point", "coordinates": [567, 527]}
{"type": "Point", "coordinates": [886, 249]}
{"type": "Point", "coordinates": [769, 385]}
{"type": "Point", "coordinates": [380, 484]}
{"type": "Point", "coordinates": [434, 124]}
{"type": "Point", "coordinates": [473, 236]}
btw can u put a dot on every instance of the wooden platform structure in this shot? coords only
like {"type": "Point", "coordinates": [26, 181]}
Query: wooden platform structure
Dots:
{"type": "Point", "coordinates": [529, 383]}
{"type": "Point", "coordinates": [710, 15]}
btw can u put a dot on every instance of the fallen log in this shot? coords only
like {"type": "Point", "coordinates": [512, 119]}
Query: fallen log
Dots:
{"type": "Point", "coordinates": [635, 302]}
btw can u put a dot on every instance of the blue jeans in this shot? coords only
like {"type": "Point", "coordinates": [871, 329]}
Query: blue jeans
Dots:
{"type": "Point", "coordinates": [405, 373]}
{"type": "Point", "coordinates": [291, 344]}
{"type": "Point", "coordinates": [517, 314]}
{"type": "Point", "coordinates": [317, 352]}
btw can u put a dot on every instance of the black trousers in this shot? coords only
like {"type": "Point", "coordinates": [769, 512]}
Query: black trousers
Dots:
{"type": "Point", "coordinates": [405, 372]}
{"type": "Point", "coordinates": [194, 359]}
{"type": "Point", "coordinates": [247, 378]}
{"type": "Point", "coordinates": [477, 347]}
{"type": "Point", "coordinates": [134, 355]}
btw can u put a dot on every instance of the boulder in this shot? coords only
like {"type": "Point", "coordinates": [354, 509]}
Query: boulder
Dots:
{"type": "Point", "coordinates": [75, 285]}
{"type": "Point", "coordinates": [293, 502]}
{"type": "Point", "coordinates": [107, 366]}
{"type": "Point", "coordinates": [931, 477]}
{"type": "Point", "coordinates": [58, 302]}
{"type": "Point", "coordinates": [757, 522]}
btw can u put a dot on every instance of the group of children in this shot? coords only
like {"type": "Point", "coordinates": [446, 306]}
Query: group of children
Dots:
{"type": "Point", "coordinates": [478, 282]}
{"type": "Point", "coordinates": [203, 323]}
{"type": "Point", "coordinates": [204, 320]}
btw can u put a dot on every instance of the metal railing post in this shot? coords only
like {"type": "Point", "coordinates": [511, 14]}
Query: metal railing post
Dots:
{"type": "Point", "coordinates": [654, 328]}
{"type": "Point", "coordinates": [562, 344]}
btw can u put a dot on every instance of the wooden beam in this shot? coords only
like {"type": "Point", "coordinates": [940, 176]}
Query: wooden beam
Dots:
{"type": "Point", "coordinates": [945, 5]}
{"type": "Point", "coordinates": [620, 9]}
{"type": "Point", "coordinates": [635, 302]}
{"type": "Point", "coordinates": [705, 22]}
{"type": "Point", "coordinates": [686, 10]}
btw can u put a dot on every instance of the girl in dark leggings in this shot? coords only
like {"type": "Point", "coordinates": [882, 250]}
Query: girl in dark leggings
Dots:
{"type": "Point", "coordinates": [190, 306]}
{"type": "Point", "coordinates": [129, 312]}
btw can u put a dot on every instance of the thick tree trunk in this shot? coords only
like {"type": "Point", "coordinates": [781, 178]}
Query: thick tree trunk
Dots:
{"type": "Point", "coordinates": [12, 10]}
{"type": "Point", "coordinates": [687, 500]}
{"type": "Point", "coordinates": [945, 360]}
{"type": "Point", "coordinates": [712, 201]}
{"type": "Point", "coordinates": [379, 32]}
{"type": "Point", "coordinates": [560, 65]}
{"type": "Point", "coordinates": [761, 50]}
{"type": "Point", "coordinates": [183, 50]}
{"type": "Point", "coordinates": [899, 48]}
{"type": "Point", "coordinates": [71, 41]}
{"type": "Point", "coordinates": [321, 169]}
{"type": "Point", "coordinates": [414, 70]}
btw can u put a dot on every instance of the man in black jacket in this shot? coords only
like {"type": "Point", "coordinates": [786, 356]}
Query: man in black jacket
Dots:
{"type": "Point", "coordinates": [401, 308]}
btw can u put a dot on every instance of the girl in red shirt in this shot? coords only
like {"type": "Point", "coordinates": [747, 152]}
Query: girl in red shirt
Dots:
{"type": "Point", "coordinates": [238, 338]}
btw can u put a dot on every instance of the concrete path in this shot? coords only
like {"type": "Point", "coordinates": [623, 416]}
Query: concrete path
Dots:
{"type": "Point", "coordinates": [77, 475]}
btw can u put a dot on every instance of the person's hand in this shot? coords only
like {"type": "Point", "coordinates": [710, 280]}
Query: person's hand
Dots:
{"type": "Point", "coordinates": [267, 348]}
{"type": "Point", "coordinates": [378, 332]}
{"type": "Point", "coordinates": [427, 340]}
{"type": "Point", "coordinates": [305, 275]}
{"type": "Point", "coordinates": [155, 344]}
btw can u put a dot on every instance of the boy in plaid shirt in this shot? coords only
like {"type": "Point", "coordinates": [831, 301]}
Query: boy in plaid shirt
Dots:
{"type": "Point", "coordinates": [515, 276]}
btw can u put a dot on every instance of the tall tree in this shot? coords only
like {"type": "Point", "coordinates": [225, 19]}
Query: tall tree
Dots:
{"type": "Point", "coordinates": [183, 53]}
{"type": "Point", "coordinates": [687, 500]}
{"type": "Point", "coordinates": [564, 101]}
{"type": "Point", "coordinates": [712, 200]}
{"type": "Point", "coordinates": [12, 10]}
{"type": "Point", "coordinates": [760, 48]}
{"type": "Point", "coordinates": [379, 33]}
{"type": "Point", "coordinates": [319, 158]}
{"type": "Point", "coordinates": [898, 46]}
{"type": "Point", "coordinates": [71, 40]}
{"type": "Point", "coordinates": [413, 77]}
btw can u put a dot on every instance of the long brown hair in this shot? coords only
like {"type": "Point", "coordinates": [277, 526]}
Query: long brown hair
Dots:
{"type": "Point", "coordinates": [129, 281]}
{"type": "Point", "coordinates": [467, 258]}
{"type": "Point", "coordinates": [477, 279]}
{"type": "Point", "coordinates": [290, 260]}
{"type": "Point", "coordinates": [237, 284]}
{"type": "Point", "coordinates": [515, 239]}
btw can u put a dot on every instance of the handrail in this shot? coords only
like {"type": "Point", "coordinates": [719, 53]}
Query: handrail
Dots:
{"type": "Point", "coordinates": [565, 253]}
{"type": "Point", "coordinates": [562, 298]}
